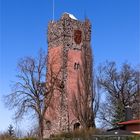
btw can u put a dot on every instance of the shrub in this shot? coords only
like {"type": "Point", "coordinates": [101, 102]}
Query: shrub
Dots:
{"type": "Point", "coordinates": [79, 133]}
{"type": "Point", "coordinates": [28, 139]}
{"type": "Point", "coordinates": [5, 136]}
{"type": "Point", "coordinates": [88, 134]}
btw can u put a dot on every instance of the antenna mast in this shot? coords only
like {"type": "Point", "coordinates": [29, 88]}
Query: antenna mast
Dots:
{"type": "Point", "coordinates": [53, 10]}
{"type": "Point", "coordinates": [85, 14]}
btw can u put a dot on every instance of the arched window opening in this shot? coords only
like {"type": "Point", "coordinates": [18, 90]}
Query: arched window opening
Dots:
{"type": "Point", "coordinates": [76, 66]}
{"type": "Point", "coordinates": [48, 125]}
{"type": "Point", "coordinates": [76, 126]}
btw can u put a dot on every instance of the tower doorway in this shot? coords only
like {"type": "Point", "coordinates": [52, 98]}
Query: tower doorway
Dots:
{"type": "Point", "coordinates": [76, 126]}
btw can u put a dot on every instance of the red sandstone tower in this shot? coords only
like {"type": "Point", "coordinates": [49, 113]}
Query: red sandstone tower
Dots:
{"type": "Point", "coordinates": [68, 42]}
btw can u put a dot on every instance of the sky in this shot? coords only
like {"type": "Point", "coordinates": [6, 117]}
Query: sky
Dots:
{"type": "Point", "coordinates": [23, 31]}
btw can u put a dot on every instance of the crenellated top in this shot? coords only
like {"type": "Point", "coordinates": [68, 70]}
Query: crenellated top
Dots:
{"type": "Point", "coordinates": [66, 27]}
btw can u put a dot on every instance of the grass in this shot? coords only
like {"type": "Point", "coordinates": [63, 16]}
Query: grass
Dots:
{"type": "Point", "coordinates": [81, 134]}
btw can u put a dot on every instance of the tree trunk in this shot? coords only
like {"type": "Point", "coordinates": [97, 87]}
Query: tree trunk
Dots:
{"type": "Point", "coordinates": [41, 126]}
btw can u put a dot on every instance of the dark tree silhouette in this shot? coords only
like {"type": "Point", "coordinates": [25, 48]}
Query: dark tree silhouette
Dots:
{"type": "Point", "coordinates": [121, 91]}
{"type": "Point", "coordinates": [11, 131]}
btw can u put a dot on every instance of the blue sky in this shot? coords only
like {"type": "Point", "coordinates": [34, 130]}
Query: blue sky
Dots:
{"type": "Point", "coordinates": [23, 26]}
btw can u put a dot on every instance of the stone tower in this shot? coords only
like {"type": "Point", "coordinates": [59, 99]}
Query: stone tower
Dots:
{"type": "Point", "coordinates": [68, 40]}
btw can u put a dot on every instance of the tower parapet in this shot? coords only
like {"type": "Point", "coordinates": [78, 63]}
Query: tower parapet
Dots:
{"type": "Point", "coordinates": [65, 29]}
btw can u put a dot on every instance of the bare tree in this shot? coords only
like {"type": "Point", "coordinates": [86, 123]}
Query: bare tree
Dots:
{"type": "Point", "coordinates": [19, 132]}
{"type": "Point", "coordinates": [120, 88]}
{"type": "Point", "coordinates": [31, 93]}
{"type": "Point", "coordinates": [85, 102]}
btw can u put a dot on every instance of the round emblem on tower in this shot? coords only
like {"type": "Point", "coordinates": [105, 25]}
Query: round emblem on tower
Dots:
{"type": "Point", "coordinates": [77, 36]}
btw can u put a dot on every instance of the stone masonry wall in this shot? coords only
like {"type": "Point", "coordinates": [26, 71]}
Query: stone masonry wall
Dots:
{"type": "Point", "coordinates": [61, 42]}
